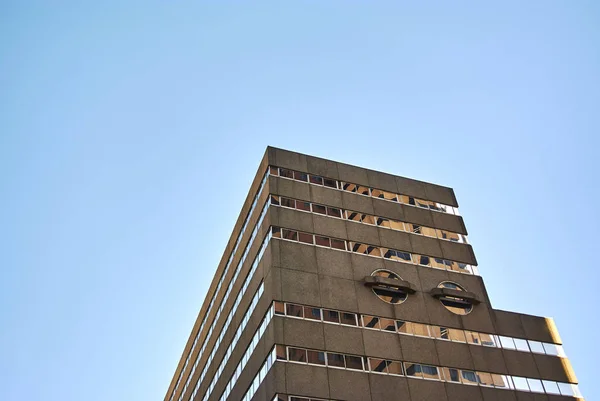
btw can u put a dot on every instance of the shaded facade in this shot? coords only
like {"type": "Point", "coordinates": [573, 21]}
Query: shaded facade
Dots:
{"type": "Point", "coordinates": [343, 283]}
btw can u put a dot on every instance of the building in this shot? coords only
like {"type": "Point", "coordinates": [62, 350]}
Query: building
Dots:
{"type": "Point", "coordinates": [343, 283]}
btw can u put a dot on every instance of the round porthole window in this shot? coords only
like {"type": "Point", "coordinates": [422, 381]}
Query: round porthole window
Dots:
{"type": "Point", "coordinates": [453, 301]}
{"type": "Point", "coordinates": [385, 288]}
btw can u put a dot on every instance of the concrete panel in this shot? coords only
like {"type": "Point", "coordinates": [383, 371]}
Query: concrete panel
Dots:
{"type": "Point", "coordinates": [391, 210]}
{"type": "Point", "coordinates": [440, 194]}
{"type": "Point", "coordinates": [449, 222]}
{"type": "Point", "coordinates": [364, 233]}
{"type": "Point", "coordinates": [508, 323]}
{"type": "Point", "coordinates": [368, 303]}
{"type": "Point", "coordinates": [334, 263]}
{"type": "Point", "coordinates": [326, 196]}
{"type": "Point", "coordinates": [298, 256]}
{"type": "Point", "coordinates": [418, 215]}
{"type": "Point", "coordinates": [413, 309]}
{"type": "Point", "coordinates": [289, 188]}
{"type": "Point", "coordinates": [348, 385]}
{"type": "Point", "coordinates": [523, 396]}
{"type": "Point", "coordinates": [358, 203]}
{"type": "Point", "coordinates": [406, 271]}
{"type": "Point", "coordinates": [492, 394]}
{"type": "Point", "coordinates": [458, 252]}
{"type": "Point", "coordinates": [554, 368]}
{"type": "Point", "coordinates": [381, 180]}
{"type": "Point", "coordinates": [363, 265]}
{"type": "Point", "coordinates": [307, 380]}
{"type": "Point", "coordinates": [395, 239]}
{"type": "Point", "coordinates": [479, 319]}
{"type": "Point", "coordinates": [454, 354]}
{"type": "Point", "coordinates": [290, 218]}
{"type": "Point", "coordinates": [287, 159]}
{"type": "Point", "coordinates": [426, 390]}
{"type": "Point", "coordinates": [520, 363]}
{"type": "Point", "coordinates": [487, 359]}
{"type": "Point", "coordinates": [300, 287]}
{"type": "Point", "coordinates": [540, 328]}
{"type": "Point", "coordinates": [352, 174]}
{"type": "Point", "coordinates": [337, 293]}
{"type": "Point", "coordinates": [386, 388]}
{"type": "Point", "coordinates": [427, 246]}
{"type": "Point", "coordinates": [329, 227]}
{"type": "Point", "coordinates": [419, 349]}
{"type": "Point", "coordinates": [303, 333]}
{"type": "Point", "coordinates": [344, 339]}
{"type": "Point", "coordinates": [382, 345]}
{"type": "Point", "coordinates": [461, 392]}
{"type": "Point", "coordinates": [406, 186]}
{"type": "Point", "coordinates": [322, 167]}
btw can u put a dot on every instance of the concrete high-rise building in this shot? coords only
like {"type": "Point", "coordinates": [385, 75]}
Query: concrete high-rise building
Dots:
{"type": "Point", "coordinates": [343, 283]}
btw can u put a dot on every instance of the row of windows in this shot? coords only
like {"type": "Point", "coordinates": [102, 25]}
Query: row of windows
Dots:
{"type": "Point", "coordinates": [260, 376]}
{"type": "Point", "coordinates": [371, 250]}
{"type": "Point", "coordinates": [362, 190]}
{"type": "Point", "coordinates": [213, 299]}
{"type": "Point", "coordinates": [420, 371]}
{"type": "Point", "coordinates": [414, 329]}
{"type": "Point", "coordinates": [368, 219]}
{"type": "Point", "coordinates": [232, 344]}
{"type": "Point", "coordinates": [279, 397]}
{"type": "Point", "coordinates": [236, 303]}
{"type": "Point", "coordinates": [249, 350]}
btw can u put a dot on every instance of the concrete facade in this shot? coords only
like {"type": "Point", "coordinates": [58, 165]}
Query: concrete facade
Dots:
{"type": "Point", "coordinates": [247, 317]}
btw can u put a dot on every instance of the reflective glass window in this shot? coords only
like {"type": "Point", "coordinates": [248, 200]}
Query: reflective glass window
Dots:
{"type": "Point", "coordinates": [378, 365]}
{"type": "Point", "coordinates": [413, 228]}
{"type": "Point", "coordinates": [330, 183]}
{"type": "Point", "coordinates": [387, 324]}
{"type": "Point", "coordinates": [276, 232]}
{"type": "Point", "coordinates": [520, 383]}
{"type": "Point", "coordinates": [274, 200]}
{"type": "Point", "coordinates": [331, 316]}
{"type": "Point", "coordinates": [284, 172]}
{"type": "Point", "coordinates": [289, 234]}
{"type": "Point", "coordinates": [296, 354]}
{"type": "Point", "coordinates": [550, 387]}
{"type": "Point", "coordinates": [451, 375]}
{"type": "Point", "coordinates": [336, 360]}
{"type": "Point", "coordinates": [439, 332]}
{"type": "Point", "coordinates": [567, 389]}
{"type": "Point", "coordinates": [334, 212]}
{"type": "Point", "coordinates": [315, 179]}
{"type": "Point", "coordinates": [306, 238]}
{"type": "Point", "coordinates": [507, 342]}
{"type": "Point", "coordinates": [368, 219]}
{"type": "Point", "coordinates": [316, 357]}
{"type": "Point", "coordinates": [457, 335]}
{"type": "Point", "coordinates": [438, 263]}
{"type": "Point", "coordinates": [397, 225]}
{"type": "Point", "coordinates": [455, 304]}
{"type": "Point", "coordinates": [420, 330]}
{"type": "Point", "coordinates": [383, 222]}
{"type": "Point", "coordinates": [421, 260]}
{"type": "Point", "coordinates": [536, 347]}
{"type": "Point", "coordinates": [354, 216]}
{"type": "Point", "coordinates": [301, 205]}
{"type": "Point", "coordinates": [312, 313]}
{"type": "Point", "coordinates": [485, 379]}
{"type": "Point", "coordinates": [428, 232]}
{"type": "Point", "coordinates": [338, 244]}
{"type": "Point", "coordinates": [322, 241]}
{"type": "Point", "coordinates": [371, 322]}
{"type": "Point", "coordinates": [300, 176]}
{"type": "Point", "coordinates": [387, 293]}
{"type": "Point", "coordinates": [319, 209]}
{"type": "Point", "coordinates": [279, 308]}
{"type": "Point", "coordinates": [535, 385]}
{"type": "Point", "coordinates": [551, 349]}
{"type": "Point", "coordinates": [488, 340]}
{"type": "Point", "coordinates": [412, 369]}
{"type": "Point", "coordinates": [473, 337]}
{"type": "Point", "coordinates": [294, 310]}
{"type": "Point", "coordinates": [468, 377]}
{"type": "Point", "coordinates": [500, 381]}
{"type": "Point", "coordinates": [280, 352]}
{"type": "Point", "coordinates": [354, 362]}
{"type": "Point", "coordinates": [378, 193]}
{"type": "Point", "coordinates": [430, 372]}
{"type": "Point", "coordinates": [348, 318]}
{"type": "Point", "coordinates": [521, 345]}
{"type": "Point", "coordinates": [273, 170]}
{"type": "Point", "coordinates": [404, 327]}
{"type": "Point", "coordinates": [394, 368]}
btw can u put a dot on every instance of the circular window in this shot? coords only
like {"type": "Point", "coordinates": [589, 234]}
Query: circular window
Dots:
{"type": "Point", "coordinates": [455, 304]}
{"type": "Point", "coordinates": [388, 292]}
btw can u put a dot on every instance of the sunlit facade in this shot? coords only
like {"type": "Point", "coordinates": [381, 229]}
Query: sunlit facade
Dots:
{"type": "Point", "coordinates": [343, 283]}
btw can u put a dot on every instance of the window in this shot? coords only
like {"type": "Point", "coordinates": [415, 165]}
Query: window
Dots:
{"type": "Point", "coordinates": [354, 362]}
{"type": "Point", "coordinates": [378, 193]}
{"type": "Point", "coordinates": [336, 360]}
{"type": "Point", "coordinates": [279, 308]}
{"type": "Point", "coordinates": [319, 209]}
{"type": "Point", "coordinates": [306, 238]}
{"type": "Point", "coordinates": [536, 347]}
{"type": "Point", "coordinates": [300, 176]}
{"type": "Point", "coordinates": [371, 322]}
{"type": "Point", "coordinates": [378, 365]}
{"type": "Point", "coordinates": [315, 179]}
{"type": "Point", "coordinates": [330, 183]}
{"type": "Point", "coordinates": [331, 316]}
{"type": "Point", "coordinates": [451, 375]}
{"type": "Point", "coordinates": [322, 241]}
{"type": "Point", "coordinates": [297, 354]}
{"type": "Point", "coordinates": [316, 357]}
{"type": "Point", "coordinates": [312, 313]}
{"type": "Point", "coordinates": [521, 344]}
{"type": "Point", "coordinates": [294, 310]}
{"type": "Point", "coordinates": [349, 319]}
{"type": "Point", "coordinates": [334, 212]}
{"type": "Point", "coordinates": [535, 385]}
{"type": "Point", "coordinates": [301, 205]}
{"type": "Point", "coordinates": [387, 324]}
{"type": "Point", "coordinates": [430, 372]}
{"type": "Point", "coordinates": [404, 327]}
{"type": "Point", "coordinates": [394, 368]}
{"type": "Point", "coordinates": [468, 377]}
{"type": "Point", "coordinates": [420, 330]}
{"type": "Point", "coordinates": [290, 235]}
{"type": "Point", "coordinates": [383, 222]}
{"type": "Point", "coordinates": [338, 244]}
{"type": "Point", "coordinates": [388, 293]}
{"type": "Point", "coordinates": [550, 387]}
{"type": "Point", "coordinates": [520, 383]}
{"type": "Point", "coordinates": [413, 369]}
{"type": "Point", "coordinates": [286, 202]}
{"type": "Point", "coordinates": [284, 172]}
{"type": "Point", "coordinates": [456, 304]}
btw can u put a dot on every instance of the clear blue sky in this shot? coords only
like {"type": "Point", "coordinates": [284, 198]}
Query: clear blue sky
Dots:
{"type": "Point", "coordinates": [129, 135]}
